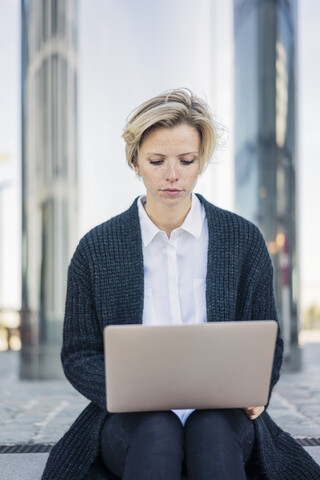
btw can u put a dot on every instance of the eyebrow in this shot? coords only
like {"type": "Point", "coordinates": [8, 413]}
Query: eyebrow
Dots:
{"type": "Point", "coordinates": [162, 155]}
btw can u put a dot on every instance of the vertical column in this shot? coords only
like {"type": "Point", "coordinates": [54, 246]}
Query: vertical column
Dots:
{"type": "Point", "coordinates": [49, 178]}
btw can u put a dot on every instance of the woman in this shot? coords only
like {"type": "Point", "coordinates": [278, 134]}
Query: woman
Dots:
{"type": "Point", "coordinates": [172, 257]}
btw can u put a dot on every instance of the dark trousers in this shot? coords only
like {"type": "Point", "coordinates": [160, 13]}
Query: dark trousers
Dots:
{"type": "Point", "coordinates": [213, 444]}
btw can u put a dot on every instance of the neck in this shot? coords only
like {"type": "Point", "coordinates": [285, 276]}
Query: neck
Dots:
{"type": "Point", "coordinates": [167, 218]}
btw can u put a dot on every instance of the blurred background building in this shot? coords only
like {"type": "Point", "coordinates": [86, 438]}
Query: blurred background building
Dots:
{"type": "Point", "coordinates": [49, 177]}
{"type": "Point", "coordinates": [265, 143]}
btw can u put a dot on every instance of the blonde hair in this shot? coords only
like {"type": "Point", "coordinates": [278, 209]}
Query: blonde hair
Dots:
{"type": "Point", "coordinates": [167, 110]}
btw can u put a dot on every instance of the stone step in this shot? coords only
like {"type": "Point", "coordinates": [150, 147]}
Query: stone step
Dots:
{"type": "Point", "coordinates": [29, 466]}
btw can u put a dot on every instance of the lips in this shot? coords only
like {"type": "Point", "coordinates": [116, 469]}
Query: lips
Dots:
{"type": "Point", "coordinates": [172, 191]}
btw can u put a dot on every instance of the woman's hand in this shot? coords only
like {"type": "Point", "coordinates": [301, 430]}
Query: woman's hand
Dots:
{"type": "Point", "coordinates": [253, 412]}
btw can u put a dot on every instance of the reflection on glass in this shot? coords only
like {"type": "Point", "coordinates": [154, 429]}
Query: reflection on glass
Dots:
{"type": "Point", "coordinates": [265, 157]}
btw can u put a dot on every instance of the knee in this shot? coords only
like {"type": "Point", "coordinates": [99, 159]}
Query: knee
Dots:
{"type": "Point", "coordinates": [218, 423]}
{"type": "Point", "coordinates": [160, 423]}
{"type": "Point", "coordinates": [160, 428]}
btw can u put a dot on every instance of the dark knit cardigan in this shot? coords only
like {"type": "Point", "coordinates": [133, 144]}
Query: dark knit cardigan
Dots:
{"type": "Point", "coordinates": [106, 286]}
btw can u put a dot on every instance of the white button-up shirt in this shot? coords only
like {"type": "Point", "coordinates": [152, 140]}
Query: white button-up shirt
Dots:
{"type": "Point", "coordinates": [175, 271]}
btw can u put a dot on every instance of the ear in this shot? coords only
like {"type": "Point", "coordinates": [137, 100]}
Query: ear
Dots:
{"type": "Point", "coordinates": [136, 166]}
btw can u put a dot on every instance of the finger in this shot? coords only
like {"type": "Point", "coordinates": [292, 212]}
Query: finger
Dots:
{"type": "Point", "coordinates": [253, 412]}
{"type": "Point", "coordinates": [255, 409]}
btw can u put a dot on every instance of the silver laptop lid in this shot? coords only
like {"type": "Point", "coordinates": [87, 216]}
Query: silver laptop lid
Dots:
{"type": "Point", "coordinates": [211, 365]}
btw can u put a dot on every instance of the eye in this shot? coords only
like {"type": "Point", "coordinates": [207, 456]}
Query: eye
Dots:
{"type": "Point", "coordinates": [155, 162]}
{"type": "Point", "coordinates": [187, 162]}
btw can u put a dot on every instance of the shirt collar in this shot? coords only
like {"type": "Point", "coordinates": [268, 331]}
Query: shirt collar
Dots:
{"type": "Point", "coordinates": [192, 224]}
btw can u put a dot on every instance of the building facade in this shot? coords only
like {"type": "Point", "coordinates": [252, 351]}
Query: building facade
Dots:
{"type": "Point", "coordinates": [49, 177]}
{"type": "Point", "coordinates": [265, 143]}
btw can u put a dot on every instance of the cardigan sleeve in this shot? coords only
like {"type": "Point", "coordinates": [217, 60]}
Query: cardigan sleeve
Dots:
{"type": "Point", "coordinates": [82, 350]}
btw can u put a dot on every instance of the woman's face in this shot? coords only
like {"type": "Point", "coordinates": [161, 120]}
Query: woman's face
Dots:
{"type": "Point", "coordinates": [169, 164]}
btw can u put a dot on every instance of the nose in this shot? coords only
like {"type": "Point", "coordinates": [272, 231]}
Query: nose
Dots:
{"type": "Point", "coordinates": [172, 172]}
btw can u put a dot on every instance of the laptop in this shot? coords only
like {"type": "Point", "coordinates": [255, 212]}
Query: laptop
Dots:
{"type": "Point", "coordinates": [201, 366]}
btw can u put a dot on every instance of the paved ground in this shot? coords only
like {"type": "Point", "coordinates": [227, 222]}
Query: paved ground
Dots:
{"type": "Point", "coordinates": [40, 412]}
